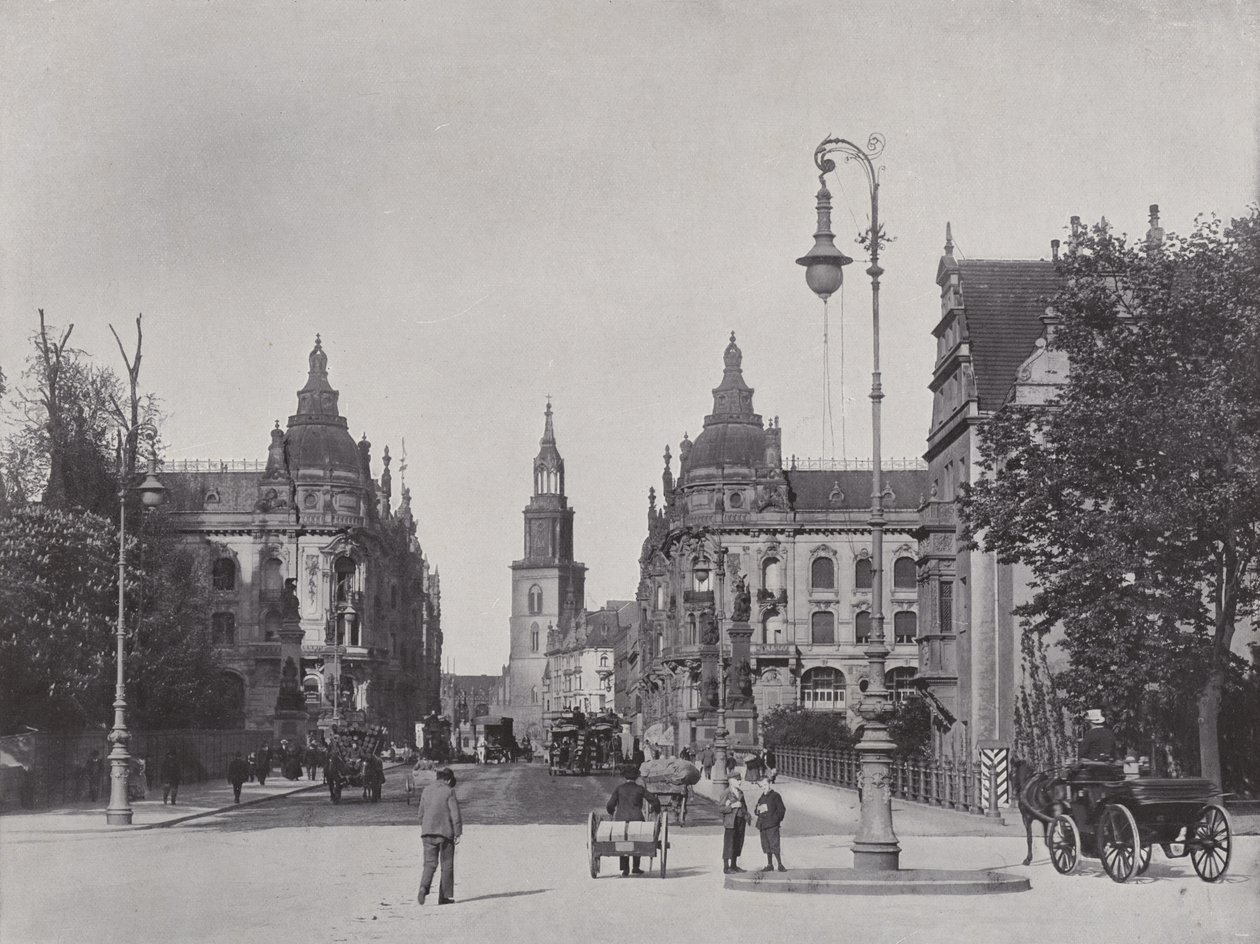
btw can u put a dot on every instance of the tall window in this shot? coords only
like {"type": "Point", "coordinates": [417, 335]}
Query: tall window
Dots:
{"type": "Point", "coordinates": [897, 681]}
{"type": "Point", "coordinates": [862, 628]}
{"type": "Point", "coordinates": [271, 626]}
{"type": "Point", "coordinates": [822, 574]}
{"type": "Point", "coordinates": [272, 577]}
{"type": "Point", "coordinates": [343, 579]}
{"type": "Point", "coordinates": [533, 637]}
{"type": "Point", "coordinates": [903, 574]}
{"type": "Point", "coordinates": [533, 695]}
{"type": "Point", "coordinates": [691, 629]}
{"type": "Point", "coordinates": [535, 600]}
{"type": "Point", "coordinates": [947, 606]}
{"type": "Point", "coordinates": [822, 628]}
{"type": "Point", "coordinates": [822, 689]}
{"type": "Point", "coordinates": [862, 573]}
{"type": "Point", "coordinates": [223, 629]}
{"type": "Point", "coordinates": [905, 628]}
{"type": "Point", "coordinates": [223, 574]}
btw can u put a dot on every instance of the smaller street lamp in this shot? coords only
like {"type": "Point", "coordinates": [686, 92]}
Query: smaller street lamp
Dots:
{"type": "Point", "coordinates": [151, 491]}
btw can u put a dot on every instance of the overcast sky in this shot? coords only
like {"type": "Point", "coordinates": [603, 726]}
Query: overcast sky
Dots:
{"type": "Point", "coordinates": [480, 204]}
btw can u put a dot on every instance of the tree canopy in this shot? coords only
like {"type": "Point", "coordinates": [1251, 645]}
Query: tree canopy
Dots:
{"type": "Point", "coordinates": [1134, 496]}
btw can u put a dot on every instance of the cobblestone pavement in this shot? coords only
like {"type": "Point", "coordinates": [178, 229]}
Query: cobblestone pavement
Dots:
{"type": "Point", "coordinates": [299, 869]}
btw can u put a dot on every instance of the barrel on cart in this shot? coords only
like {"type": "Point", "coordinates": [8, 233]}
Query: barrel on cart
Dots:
{"type": "Point", "coordinates": [608, 837]}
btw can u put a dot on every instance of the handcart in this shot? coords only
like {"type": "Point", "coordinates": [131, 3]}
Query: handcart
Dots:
{"type": "Point", "coordinates": [608, 837]}
{"type": "Point", "coordinates": [673, 797]}
{"type": "Point", "coordinates": [1092, 810]}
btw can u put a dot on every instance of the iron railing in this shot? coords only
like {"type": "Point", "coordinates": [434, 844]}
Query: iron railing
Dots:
{"type": "Point", "coordinates": [950, 784]}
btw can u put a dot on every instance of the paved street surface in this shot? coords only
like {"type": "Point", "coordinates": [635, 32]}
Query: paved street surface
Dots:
{"type": "Point", "coordinates": [298, 869]}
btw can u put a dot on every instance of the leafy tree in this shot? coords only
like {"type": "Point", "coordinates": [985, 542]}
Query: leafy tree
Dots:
{"type": "Point", "coordinates": [1134, 498]}
{"type": "Point", "coordinates": [793, 726]}
{"type": "Point", "coordinates": [910, 728]}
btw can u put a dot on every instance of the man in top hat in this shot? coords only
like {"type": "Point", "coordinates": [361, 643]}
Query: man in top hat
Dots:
{"type": "Point", "coordinates": [1099, 743]}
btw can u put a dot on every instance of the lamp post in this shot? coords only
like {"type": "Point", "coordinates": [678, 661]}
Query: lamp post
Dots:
{"type": "Point", "coordinates": [719, 736]}
{"type": "Point", "coordinates": [119, 811]}
{"type": "Point", "coordinates": [875, 846]}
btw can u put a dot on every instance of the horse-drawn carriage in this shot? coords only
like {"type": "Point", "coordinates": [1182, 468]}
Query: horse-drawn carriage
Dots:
{"type": "Point", "coordinates": [568, 752]}
{"type": "Point", "coordinates": [1092, 810]}
{"type": "Point", "coordinates": [670, 780]}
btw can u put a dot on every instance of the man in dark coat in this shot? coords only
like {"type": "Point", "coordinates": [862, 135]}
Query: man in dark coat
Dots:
{"type": "Point", "coordinates": [769, 811]}
{"type": "Point", "coordinates": [373, 777]}
{"type": "Point", "coordinates": [92, 773]}
{"type": "Point", "coordinates": [734, 817]}
{"type": "Point", "coordinates": [772, 764]}
{"type": "Point", "coordinates": [237, 774]}
{"type": "Point", "coordinates": [262, 764]}
{"type": "Point", "coordinates": [1099, 743]}
{"type": "Point", "coordinates": [314, 760]}
{"type": "Point", "coordinates": [440, 829]}
{"type": "Point", "coordinates": [626, 806]}
{"type": "Point", "coordinates": [335, 775]}
{"type": "Point", "coordinates": [170, 777]}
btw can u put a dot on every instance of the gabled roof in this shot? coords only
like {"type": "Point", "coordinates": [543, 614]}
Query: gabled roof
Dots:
{"type": "Point", "coordinates": [1004, 300]}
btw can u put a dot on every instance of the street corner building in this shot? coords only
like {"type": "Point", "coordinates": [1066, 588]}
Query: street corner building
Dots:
{"type": "Point", "coordinates": [323, 601]}
{"type": "Point", "coordinates": [756, 580]}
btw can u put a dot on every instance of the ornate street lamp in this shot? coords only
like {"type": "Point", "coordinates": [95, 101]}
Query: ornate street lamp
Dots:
{"type": "Point", "coordinates": [151, 491]}
{"type": "Point", "coordinates": [875, 846]}
{"type": "Point", "coordinates": [719, 736]}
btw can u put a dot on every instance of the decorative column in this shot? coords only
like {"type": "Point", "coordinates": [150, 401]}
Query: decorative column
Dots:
{"type": "Point", "coordinates": [741, 706]}
{"type": "Point", "coordinates": [290, 717]}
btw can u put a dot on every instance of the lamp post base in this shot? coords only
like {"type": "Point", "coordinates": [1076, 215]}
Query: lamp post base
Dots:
{"type": "Point", "coordinates": [119, 811]}
{"type": "Point", "coordinates": [875, 846]}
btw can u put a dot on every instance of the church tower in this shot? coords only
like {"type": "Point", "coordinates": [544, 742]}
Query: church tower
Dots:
{"type": "Point", "coordinates": [548, 585]}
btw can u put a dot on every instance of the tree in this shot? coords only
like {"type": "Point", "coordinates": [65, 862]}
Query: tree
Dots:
{"type": "Point", "coordinates": [910, 728]}
{"type": "Point", "coordinates": [793, 726]}
{"type": "Point", "coordinates": [1134, 497]}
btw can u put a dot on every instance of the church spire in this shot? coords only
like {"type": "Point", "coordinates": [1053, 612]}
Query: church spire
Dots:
{"type": "Point", "coordinates": [548, 465]}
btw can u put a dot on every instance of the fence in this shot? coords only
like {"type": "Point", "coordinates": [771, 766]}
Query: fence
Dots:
{"type": "Point", "coordinates": [48, 770]}
{"type": "Point", "coordinates": [954, 785]}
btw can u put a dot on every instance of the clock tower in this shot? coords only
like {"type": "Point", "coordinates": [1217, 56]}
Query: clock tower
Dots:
{"type": "Point", "coordinates": [548, 585]}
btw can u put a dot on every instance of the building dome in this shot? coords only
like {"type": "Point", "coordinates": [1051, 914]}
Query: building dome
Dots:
{"type": "Point", "coordinates": [318, 437]}
{"type": "Point", "coordinates": [733, 434]}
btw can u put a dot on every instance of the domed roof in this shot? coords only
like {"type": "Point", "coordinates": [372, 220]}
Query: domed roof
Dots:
{"type": "Point", "coordinates": [733, 434]}
{"type": "Point", "coordinates": [318, 437]}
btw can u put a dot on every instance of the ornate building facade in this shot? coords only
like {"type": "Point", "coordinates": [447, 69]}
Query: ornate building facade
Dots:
{"type": "Point", "coordinates": [581, 661]}
{"type": "Point", "coordinates": [307, 546]}
{"type": "Point", "coordinates": [548, 586]}
{"type": "Point", "coordinates": [743, 541]}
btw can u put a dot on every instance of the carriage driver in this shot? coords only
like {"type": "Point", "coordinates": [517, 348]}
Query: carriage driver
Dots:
{"type": "Point", "coordinates": [626, 806]}
{"type": "Point", "coordinates": [1099, 743]}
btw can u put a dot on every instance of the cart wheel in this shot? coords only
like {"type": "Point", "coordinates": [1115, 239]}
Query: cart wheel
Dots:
{"type": "Point", "coordinates": [682, 812]}
{"type": "Point", "coordinates": [1209, 843]}
{"type": "Point", "coordinates": [1119, 845]}
{"type": "Point", "coordinates": [1064, 840]}
{"type": "Point", "coordinates": [664, 842]}
{"type": "Point", "coordinates": [592, 822]}
{"type": "Point", "coordinates": [1144, 861]}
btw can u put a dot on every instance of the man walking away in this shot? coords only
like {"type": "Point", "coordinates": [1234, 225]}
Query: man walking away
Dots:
{"type": "Point", "coordinates": [734, 818]}
{"type": "Point", "coordinates": [170, 777]}
{"type": "Point", "coordinates": [626, 806]}
{"type": "Point", "coordinates": [770, 811]}
{"type": "Point", "coordinates": [772, 764]}
{"type": "Point", "coordinates": [707, 760]}
{"type": "Point", "coordinates": [237, 774]}
{"type": "Point", "coordinates": [440, 831]}
{"type": "Point", "coordinates": [312, 760]}
{"type": "Point", "coordinates": [92, 773]}
{"type": "Point", "coordinates": [262, 764]}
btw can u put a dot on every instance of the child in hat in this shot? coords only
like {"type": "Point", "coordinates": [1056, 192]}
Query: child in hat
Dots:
{"type": "Point", "coordinates": [769, 811]}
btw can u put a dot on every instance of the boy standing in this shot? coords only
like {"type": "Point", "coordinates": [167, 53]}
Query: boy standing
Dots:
{"type": "Point", "coordinates": [770, 811]}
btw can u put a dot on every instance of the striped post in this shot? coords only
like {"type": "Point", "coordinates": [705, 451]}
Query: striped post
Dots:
{"type": "Point", "coordinates": [995, 780]}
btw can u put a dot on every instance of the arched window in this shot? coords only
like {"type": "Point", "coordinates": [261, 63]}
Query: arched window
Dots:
{"type": "Point", "coordinates": [535, 600]}
{"type": "Point", "coordinates": [822, 689]}
{"type": "Point", "coordinates": [771, 574]}
{"type": "Point", "coordinates": [223, 574]}
{"type": "Point", "coordinates": [533, 637]}
{"type": "Point", "coordinates": [862, 628]}
{"type": "Point", "coordinates": [311, 686]}
{"type": "Point", "coordinates": [533, 695]}
{"type": "Point", "coordinates": [603, 661]}
{"type": "Point", "coordinates": [822, 574]}
{"type": "Point", "coordinates": [903, 574]}
{"type": "Point", "coordinates": [862, 573]}
{"type": "Point", "coordinates": [691, 629]}
{"type": "Point", "coordinates": [898, 681]}
{"type": "Point", "coordinates": [822, 628]}
{"type": "Point", "coordinates": [271, 626]}
{"type": "Point", "coordinates": [905, 628]}
{"type": "Point", "coordinates": [223, 629]}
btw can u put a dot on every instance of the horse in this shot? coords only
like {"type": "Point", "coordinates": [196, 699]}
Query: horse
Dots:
{"type": "Point", "coordinates": [1036, 800]}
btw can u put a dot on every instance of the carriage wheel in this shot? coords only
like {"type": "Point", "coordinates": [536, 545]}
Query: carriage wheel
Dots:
{"type": "Point", "coordinates": [1144, 861]}
{"type": "Point", "coordinates": [682, 812]}
{"type": "Point", "coordinates": [1209, 843]}
{"type": "Point", "coordinates": [1064, 840]}
{"type": "Point", "coordinates": [592, 822]}
{"type": "Point", "coordinates": [664, 842]}
{"type": "Point", "coordinates": [1119, 845]}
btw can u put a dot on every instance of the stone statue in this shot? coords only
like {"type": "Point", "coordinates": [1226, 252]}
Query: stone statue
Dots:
{"type": "Point", "coordinates": [710, 635]}
{"type": "Point", "coordinates": [742, 605]}
{"type": "Point", "coordinates": [711, 692]}
{"type": "Point", "coordinates": [290, 697]}
{"type": "Point", "coordinates": [289, 608]}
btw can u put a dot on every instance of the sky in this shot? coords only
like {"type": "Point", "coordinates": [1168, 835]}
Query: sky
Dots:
{"type": "Point", "coordinates": [480, 205]}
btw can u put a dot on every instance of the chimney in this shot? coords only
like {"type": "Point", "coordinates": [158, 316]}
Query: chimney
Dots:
{"type": "Point", "coordinates": [1077, 231]}
{"type": "Point", "coordinates": [1054, 249]}
{"type": "Point", "coordinates": [1154, 235]}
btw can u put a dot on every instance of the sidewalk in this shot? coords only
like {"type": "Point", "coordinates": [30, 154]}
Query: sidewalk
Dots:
{"type": "Point", "coordinates": [195, 800]}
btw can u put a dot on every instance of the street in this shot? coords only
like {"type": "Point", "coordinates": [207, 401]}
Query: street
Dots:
{"type": "Point", "coordinates": [303, 870]}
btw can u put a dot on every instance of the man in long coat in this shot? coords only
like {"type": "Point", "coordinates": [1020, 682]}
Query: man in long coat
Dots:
{"type": "Point", "coordinates": [237, 774]}
{"type": "Point", "coordinates": [440, 829]}
{"type": "Point", "coordinates": [626, 806]}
